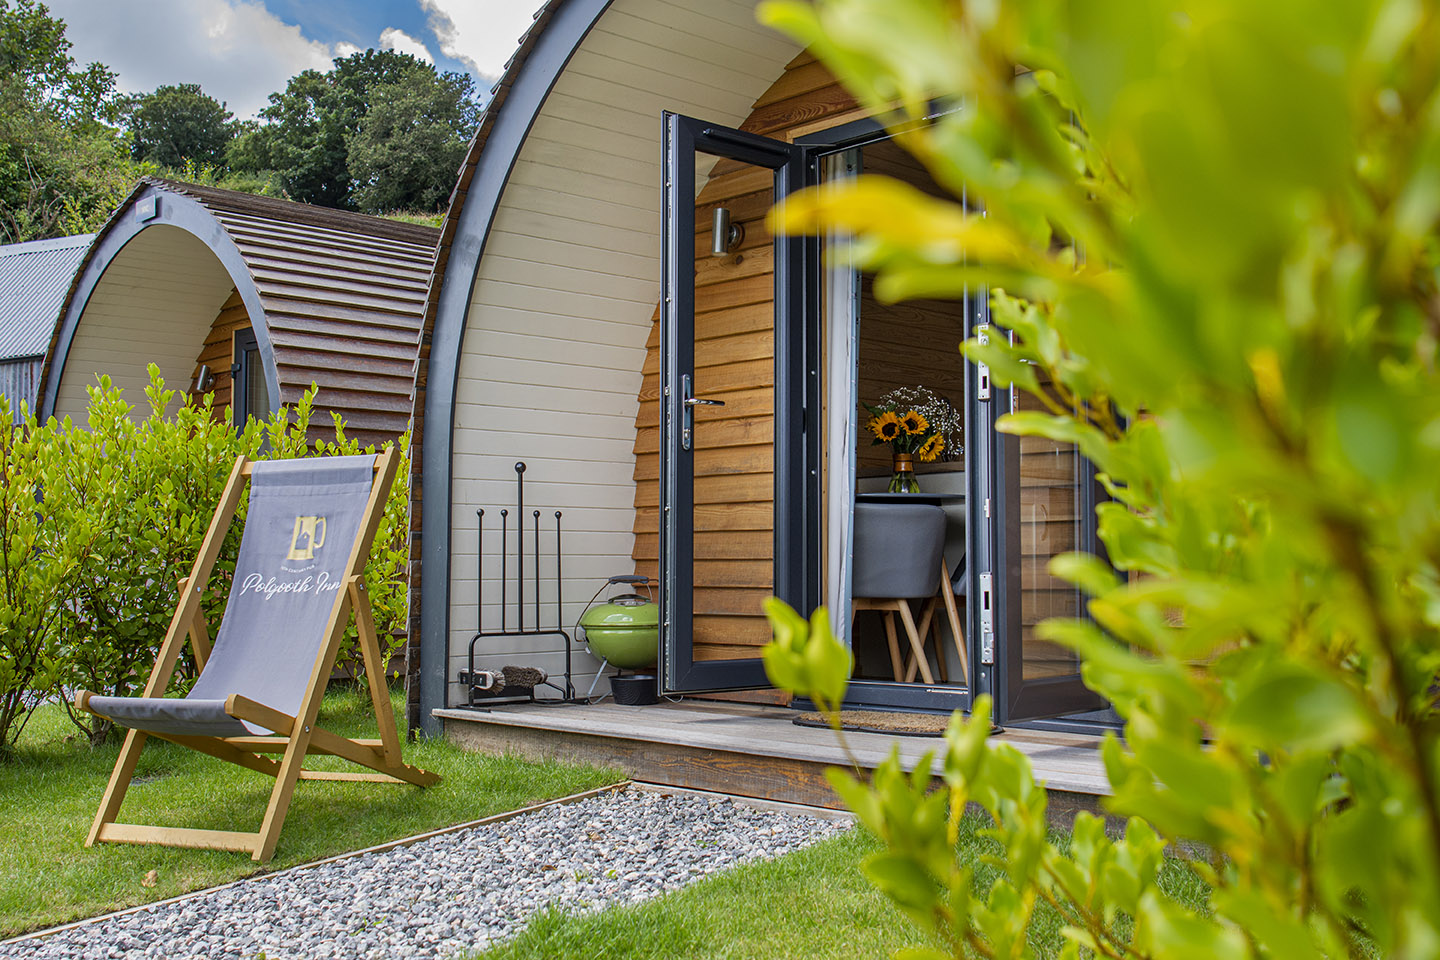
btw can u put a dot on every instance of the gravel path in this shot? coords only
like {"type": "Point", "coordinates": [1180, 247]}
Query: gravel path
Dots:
{"type": "Point", "coordinates": [456, 892]}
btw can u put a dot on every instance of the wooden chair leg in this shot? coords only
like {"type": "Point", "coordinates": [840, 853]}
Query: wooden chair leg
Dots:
{"type": "Point", "coordinates": [915, 644]}
{"type": "Point", "coordinates": [912, 666]}
{"type": "Point", "coordinates": [957, 634]}
{"type": "Point", "coordinates": [279, 806]}
{"type": "Point", "coordinates": [897, 666]}
{"type": "Point", "coordinates": [119, 782]}
{"type": "Point", "coordinates": [929, 621]}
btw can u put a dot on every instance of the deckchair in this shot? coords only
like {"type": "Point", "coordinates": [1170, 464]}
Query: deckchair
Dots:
{"type": "Point", "coordinates": [298, 578]}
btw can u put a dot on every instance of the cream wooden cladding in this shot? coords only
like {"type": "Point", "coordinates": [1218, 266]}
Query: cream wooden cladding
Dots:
{"type": "Point", "coordinates": [555, 341]}
{"type": "Point", "coordinates": [155, 303]}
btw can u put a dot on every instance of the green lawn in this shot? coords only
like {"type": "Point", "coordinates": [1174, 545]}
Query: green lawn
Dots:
{"type": "Point", "coordinates": [51, 785]}
{"type": "Point", "coordinates": [810, 905]}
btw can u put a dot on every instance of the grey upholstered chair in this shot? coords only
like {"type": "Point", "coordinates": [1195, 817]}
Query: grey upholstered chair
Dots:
{"type": "Point", "coordinates": [898, 549]}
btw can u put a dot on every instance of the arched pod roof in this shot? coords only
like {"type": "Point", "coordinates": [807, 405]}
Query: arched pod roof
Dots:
{"type": "Point", "coordinates": [333, 297]}
{"type": "Point", "coordinates": [548, 274]}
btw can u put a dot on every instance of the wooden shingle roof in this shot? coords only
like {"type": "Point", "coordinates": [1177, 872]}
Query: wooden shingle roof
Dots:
{"type": "Point", "coordinates": [341, 295]}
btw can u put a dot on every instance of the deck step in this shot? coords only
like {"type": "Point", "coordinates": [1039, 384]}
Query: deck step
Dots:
{"type": "Point", "coordinates": [745, 749]}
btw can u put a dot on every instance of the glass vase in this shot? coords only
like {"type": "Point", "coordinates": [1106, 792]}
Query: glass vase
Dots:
{"type": "Point", "coordinates": [902, 480]}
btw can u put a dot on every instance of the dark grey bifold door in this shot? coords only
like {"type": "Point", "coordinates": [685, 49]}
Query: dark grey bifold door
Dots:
{"type": "Point", "coordinates": [733, 433]}
{"type": "Point", "coordinates": [1045, 496]}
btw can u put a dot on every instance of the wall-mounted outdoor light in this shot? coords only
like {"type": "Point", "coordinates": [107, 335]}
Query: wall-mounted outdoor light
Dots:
{"type": "Point", "coordinates": [725, 236]}
{"type": "Point", "coordinates": [204, 380]}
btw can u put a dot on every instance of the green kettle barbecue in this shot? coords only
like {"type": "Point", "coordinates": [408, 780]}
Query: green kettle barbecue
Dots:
{"type": "Point", "coordinates": [624, 631]}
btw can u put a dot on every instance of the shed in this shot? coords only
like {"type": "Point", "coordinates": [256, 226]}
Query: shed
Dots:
{"type": "Point", "coordinates": [690, 395]}
{"type": "Point", "coordinates": [268, 295]}
{"type": "Point", "coordinates": [33, 279]}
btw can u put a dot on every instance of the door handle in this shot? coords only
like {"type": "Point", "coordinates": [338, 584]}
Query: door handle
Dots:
{"type": "Point", "coordinates": [688, 403]}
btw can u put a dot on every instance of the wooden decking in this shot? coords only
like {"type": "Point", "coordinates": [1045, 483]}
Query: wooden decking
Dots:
{"type": "Point", "coordinates": [747, 750]}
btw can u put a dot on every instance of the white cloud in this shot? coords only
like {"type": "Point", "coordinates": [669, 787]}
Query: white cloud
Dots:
{"type": "Point", "coordinates": [392, 38]}
{"type": "Point", "coordinates": [343, 49]}
{"type": "Point", "coordinates": [479, 33]}
{"type": "Point", "coordinates": [236, 50]}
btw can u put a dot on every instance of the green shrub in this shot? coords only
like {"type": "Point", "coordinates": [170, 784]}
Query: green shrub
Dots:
{"type": "Point", "coordinates": [38, 557]}
{"type": "Point", "coordinates": [1216, 221]}
{"type": "Point", "coordinates": [148, 486]}
{"type": "Point", "coordinates": [126, 502]}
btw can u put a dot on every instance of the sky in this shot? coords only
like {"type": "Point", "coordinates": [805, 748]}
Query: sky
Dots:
{"type": "Point", "coordinates": [241, 51]}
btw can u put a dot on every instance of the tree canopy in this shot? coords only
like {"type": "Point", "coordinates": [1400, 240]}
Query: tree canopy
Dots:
{"type": "Point", "coordinates": [63, 166]}
{"type": "Point", "coordinates": [180, 123]}
{"type": "Point", "coordinates": [406, 152]}
{"type": "Point", "coordinates": [308, 131]}
{"type": "Point", "coordinates": [380, 131]}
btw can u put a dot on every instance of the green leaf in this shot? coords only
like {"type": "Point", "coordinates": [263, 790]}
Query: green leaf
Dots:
{"type": "Point", "coordinates": [1294, 706]}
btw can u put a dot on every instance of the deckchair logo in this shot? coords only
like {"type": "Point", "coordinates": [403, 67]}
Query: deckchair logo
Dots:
{"type": "Point", "coordinates": [308, 536]}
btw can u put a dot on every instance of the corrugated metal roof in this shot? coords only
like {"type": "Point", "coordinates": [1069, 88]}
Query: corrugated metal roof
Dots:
{"type": "Point", "coordinates": [33, 280]}
{"type": "Point", "coordinates": [343, 296]}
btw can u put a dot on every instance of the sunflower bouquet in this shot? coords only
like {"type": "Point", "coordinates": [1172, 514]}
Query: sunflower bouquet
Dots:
{"type": "Point", "coordinates": [909, 434]}
{"type": "Point", "coordinates": [916, 423]}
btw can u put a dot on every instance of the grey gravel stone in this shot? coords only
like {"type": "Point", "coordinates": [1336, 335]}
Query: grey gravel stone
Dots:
{"type": "Point", "coordinates": [453, 893]}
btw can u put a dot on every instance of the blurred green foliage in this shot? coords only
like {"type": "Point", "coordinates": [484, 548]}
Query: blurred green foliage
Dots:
{"type": "Point", "coordinates": [1210, 226]}
{"type": "Point", "coordinates": [100, 520]}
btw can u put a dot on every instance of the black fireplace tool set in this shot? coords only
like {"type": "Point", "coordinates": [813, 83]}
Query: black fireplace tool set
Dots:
{"type": "Point", "coordinates": [516, 684]}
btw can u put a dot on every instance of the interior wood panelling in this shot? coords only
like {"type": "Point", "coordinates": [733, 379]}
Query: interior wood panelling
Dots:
{"type": "Point", "coordinates": [1050, 515]}
{"type": "Point", "coordinates": [735, 362]}
{"type": "Point", "coordinates": [905, 344]}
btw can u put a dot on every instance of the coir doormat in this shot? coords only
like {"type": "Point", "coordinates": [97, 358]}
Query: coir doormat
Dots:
{"type": "Point", "coordinates": [882, 721]}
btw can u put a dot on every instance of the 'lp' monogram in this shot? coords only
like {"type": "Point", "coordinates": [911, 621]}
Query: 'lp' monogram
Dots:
{"type": "Point", "coordinates": [308, 537]}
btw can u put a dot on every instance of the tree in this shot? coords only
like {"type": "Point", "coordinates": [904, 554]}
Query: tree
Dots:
{"type": "Point", "coordinates": [1209, 228]}
{"type": "Point", "coordinates": [411, 142]}
{"type": "Point", "coordinates": [63, 166]}
{"type": "Point", "coordinates": [179, 123]}
{"type": "Point", "coordinates": [309, 126]}
{"type": "Point", "coordinates": [36, 68]}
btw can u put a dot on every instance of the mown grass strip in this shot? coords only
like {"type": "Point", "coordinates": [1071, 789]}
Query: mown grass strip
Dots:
{"type": "Point", "coordinates": [50, 785]}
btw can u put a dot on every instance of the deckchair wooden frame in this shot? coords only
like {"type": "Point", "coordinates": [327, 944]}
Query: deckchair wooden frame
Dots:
{"type": "Point", "coordinates": [296, 737]}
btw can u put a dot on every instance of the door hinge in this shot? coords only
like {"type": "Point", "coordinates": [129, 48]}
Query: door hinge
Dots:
{"type": "Point", "coordinates": [987, 618]}
{"type": "Point", "coordinates": [982, 370]}
{"type": "Point", "coordinates": [987, 508]}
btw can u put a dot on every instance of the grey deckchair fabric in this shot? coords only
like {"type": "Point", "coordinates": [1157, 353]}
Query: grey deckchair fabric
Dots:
{"type": "Point", "coordinates": [301, 526]}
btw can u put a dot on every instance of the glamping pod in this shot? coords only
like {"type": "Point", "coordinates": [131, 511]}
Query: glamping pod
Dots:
{"type": "Point", "coordinates": [252, 297]}
{"type": "Point", "coordinates": [33, 279]}
{"type": "Point", "coordinates": [709, 405]}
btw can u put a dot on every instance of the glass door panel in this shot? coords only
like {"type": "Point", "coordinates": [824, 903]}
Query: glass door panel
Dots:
{"type": "Point", "coordinates": [732, 514]}
{"type": "Point", "coordinates": [733, 484]}
{"type": "Point", "coordinates": [1046, 493]}
{"type": "Point", "coordinates": [1053, 479]}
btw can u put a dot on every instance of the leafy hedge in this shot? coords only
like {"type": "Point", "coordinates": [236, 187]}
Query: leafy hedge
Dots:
{"type": "Point", "coordinates": [100, 520]}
